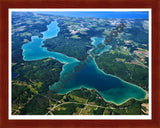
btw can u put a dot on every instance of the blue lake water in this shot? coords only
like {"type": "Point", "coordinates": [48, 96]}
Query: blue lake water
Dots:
{"type": "Point", "coordinates": [52, 31]}
{"type": "Point", "coordinates": [34, 50]}
{"type": "Point", "coordinates": [111, 88]}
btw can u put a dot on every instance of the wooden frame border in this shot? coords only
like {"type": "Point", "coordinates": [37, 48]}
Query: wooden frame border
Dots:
{"type": "Point", "coordinates": [6, 4]}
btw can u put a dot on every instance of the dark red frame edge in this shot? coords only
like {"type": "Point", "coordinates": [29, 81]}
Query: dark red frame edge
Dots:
{"type": "Point", "coordinates": [6, 4]}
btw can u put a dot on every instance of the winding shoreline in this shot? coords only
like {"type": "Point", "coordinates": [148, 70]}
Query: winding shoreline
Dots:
{"type": "Point", "coordinates": [66, 63]}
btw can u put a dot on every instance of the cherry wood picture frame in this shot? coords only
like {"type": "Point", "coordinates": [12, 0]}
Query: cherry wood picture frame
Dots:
{"type": "Point", "coordinates": [5, 5]}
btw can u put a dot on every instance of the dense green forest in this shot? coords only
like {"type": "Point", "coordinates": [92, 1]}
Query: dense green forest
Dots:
{"type": "Point", "coordinates": [129, 72]}
{"type": "Point", "coordinates": [34, 77]}
{"type": "Point", "coordinates": [75, 47]}
{"type": "Point", "coordinates": [46, 71]}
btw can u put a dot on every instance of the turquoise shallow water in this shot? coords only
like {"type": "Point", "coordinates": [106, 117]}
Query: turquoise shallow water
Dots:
{"type": "Point", "coordinates": [111, 88]}
{"type": "Point", "coordinates": [34, 50]}
{"type": "Point", "coordinates": [52, 30]}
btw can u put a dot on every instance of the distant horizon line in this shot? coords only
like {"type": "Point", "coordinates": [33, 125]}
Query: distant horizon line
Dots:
{"type": "Point", "coordinates": [98, 13]}
{"type": "Point", "coordinates": [112, 15]}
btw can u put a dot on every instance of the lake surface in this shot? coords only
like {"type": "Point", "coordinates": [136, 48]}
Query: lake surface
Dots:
{"type": "Point", "coordinates": [112, 89]}
{"type": "Point", "coordinates": [52, 30]}
{"type": "Point", "coordinates": [34, 50]}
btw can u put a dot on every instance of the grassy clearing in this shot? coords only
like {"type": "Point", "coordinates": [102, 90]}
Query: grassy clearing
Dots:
{"type": "Point", "coordinates": [75, 37]}
{"type": "Point", "coordinates": [78, 99]}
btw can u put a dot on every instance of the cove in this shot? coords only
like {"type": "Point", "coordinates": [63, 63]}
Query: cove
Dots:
{"type": "Point", "coordinates": [34, 50]}
{"type": "Point", "coordinates": [112, 88]}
